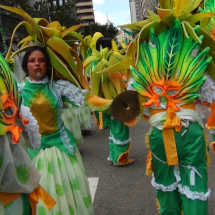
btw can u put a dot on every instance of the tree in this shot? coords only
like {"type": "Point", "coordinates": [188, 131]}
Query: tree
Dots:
{"type": "Point", "coordinates": [108, 30]}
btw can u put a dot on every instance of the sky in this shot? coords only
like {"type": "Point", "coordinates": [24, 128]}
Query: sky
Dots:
{"type": "Point", "coordinates": [118, 11]}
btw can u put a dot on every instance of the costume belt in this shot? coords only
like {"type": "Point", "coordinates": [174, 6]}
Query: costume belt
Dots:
{"type": "Point", "coordinates": [38, 193]}
{"type": "Point", "coordinates": [168, 133]}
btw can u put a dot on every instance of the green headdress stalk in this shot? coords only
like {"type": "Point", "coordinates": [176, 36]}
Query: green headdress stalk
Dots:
{"type": "Point", "coordinates": [60, 44]}
{"type": "Point", "coordinates": [170, 62]}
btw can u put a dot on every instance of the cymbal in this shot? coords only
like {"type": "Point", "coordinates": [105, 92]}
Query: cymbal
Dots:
{"type": "Point", "coordinates": [125, 107]}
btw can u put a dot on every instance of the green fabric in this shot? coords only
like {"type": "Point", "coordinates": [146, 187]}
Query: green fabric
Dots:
{"type": "Point", "coordinates": [170, 202]}
{"type": "Point", "coordinates": [116, 150]}
{"type": "Point", "coordinates": [191, 207]}
{"type": "Point", "coordinates": [191, 151]}
{"type": "Point", "coordinates": [118, 130]}
{"type": "Point", "coordinates": [26, 205]}
{"type": "Point", "coordinates": [29, 93]}
{"type": "Point", "coordinates": [53, 140]}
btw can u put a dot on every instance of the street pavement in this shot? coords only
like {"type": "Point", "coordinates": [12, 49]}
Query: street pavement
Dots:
{"type": "Point", "coordinates": [126, 190]}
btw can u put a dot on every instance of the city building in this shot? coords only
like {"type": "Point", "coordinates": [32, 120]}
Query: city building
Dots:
{"type": "Point", "coordinates": [85, 11]}
{"type": "Point", "coordinates": [139, 8]}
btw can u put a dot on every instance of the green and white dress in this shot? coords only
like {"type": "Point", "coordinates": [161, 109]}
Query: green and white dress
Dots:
{"type": "Point", "coordinates": [58, 160]}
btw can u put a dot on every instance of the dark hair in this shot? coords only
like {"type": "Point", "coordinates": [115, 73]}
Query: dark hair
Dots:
{"type": "Point", "coordinates": [104, 42]}
{"type": "Point", "coordinates": [27, 54]}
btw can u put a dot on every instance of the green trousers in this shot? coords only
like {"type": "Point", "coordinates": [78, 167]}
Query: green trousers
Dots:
{"type": "Point", "coordinates": [119, 140]}
{"type": "Point", "coordinates": [183, 187]}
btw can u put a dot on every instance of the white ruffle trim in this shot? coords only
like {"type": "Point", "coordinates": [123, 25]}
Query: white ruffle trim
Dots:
{"type": "Point", "coordinates": [118, 142]}
{"type": "Point", "coordinates": [44, 81]}
{"type": "Point", "coordinates": [194, 195]}
{"type": "Point", "coordinates": [207, 90]}
{"type": "Point", "coordinates": [164, 188]}
{"type": "Point", "coordinates": [70, 91]}
{"type": "Point", "coordinates": [32, 128]}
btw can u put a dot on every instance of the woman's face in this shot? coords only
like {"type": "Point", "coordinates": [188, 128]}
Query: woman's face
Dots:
{"type": "Point", "coordinates": [36, 66]}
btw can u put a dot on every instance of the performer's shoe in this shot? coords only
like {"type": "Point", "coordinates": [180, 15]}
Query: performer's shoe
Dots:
{"type": "Point", "coordinates": [129, 161]}
{"type": "Point", "coordinates": [110, 161]}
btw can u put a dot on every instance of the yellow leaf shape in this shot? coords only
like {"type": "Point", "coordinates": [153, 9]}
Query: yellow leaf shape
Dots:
{"type": "Point", "coordinates": [197, 17]}
{"type": "Point", "coordinates": [96, 79]}
{"type": "Point", "coordinates": [60, 47]}
{"type": "Point", "coordinates": [152, 16]}
{"type": "Point", "coordinates": [136, 25]}
{"type": "Point", "coordinates": [67, 31]}
{"type": "Point", "coordinates": [122, 65]}
{"type": "Point", "coordinates": [114, 78]}
{"type": "Point", "coordinates": [56, 25]}
{"type": "Point", "coordinates": [26, 39]}
{"type": "Point", "coordinates": [61, 67]}
{"type": "Point", "coordinates": [96, 36]}
{"type": "Point", "coordinates": [41, 21]}
{"type": "Point", "coordinates": [90, 60]}
{"type": "Point", "coordinates": [191, 32]}
{"type": "Point", "coordinates": [28, 18]}
{"type": "Point", "coordinates": [96, 54]}
{"type": "Point", "coordinates": [50, 32]}
{"type": "Point", "coordinates": [114, 46]}
{"type": "Point", "coordinates": [181, 8]}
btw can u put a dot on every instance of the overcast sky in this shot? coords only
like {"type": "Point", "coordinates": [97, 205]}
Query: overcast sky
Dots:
{"type": "Point", "coordinates": [118, 11]}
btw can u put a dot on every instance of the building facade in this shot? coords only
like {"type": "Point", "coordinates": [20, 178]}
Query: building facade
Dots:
{"type": "Point", "coordinates": [85, 11]}
{"type": "Point", "coordinates": [139, 8]}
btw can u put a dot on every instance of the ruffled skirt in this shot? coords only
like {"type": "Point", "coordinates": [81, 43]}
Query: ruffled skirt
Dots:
{"type": "Point", "coordinates": [63, 176]}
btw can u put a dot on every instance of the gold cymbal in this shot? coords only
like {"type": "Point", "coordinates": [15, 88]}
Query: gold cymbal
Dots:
{"type": "Point", "coordinates": [125, 107]}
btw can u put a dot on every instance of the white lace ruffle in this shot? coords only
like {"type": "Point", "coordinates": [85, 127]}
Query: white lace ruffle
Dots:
{"type": "Point", "coordinates": [194, 195]}
{"type": "Point", "coordinates": [32, 128]}
{"type": "Point", "coordinates": [44, 81]}
{"type": "Point", "coordinates": [164, 188]}
{"type": "Point", "coordinates": [207, 90]}
{"type": "Point", "coordinates": [118, 142]}
{"type": "Point", "coordinates": [70, 91]}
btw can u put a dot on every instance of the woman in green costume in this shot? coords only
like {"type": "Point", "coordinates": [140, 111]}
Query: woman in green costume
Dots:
{"type": "Point", "coordinates": [58, 160]}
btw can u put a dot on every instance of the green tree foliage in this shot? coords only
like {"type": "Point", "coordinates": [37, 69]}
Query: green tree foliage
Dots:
{"type": "Point", "coordinates": [108, 30]}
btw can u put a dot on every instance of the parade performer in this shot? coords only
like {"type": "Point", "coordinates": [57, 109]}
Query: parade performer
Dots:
{"type": "Point", "coordinates": [58, 159]}
{"type": "Point", "coordinates": [168, 68]}
{"type": "Point", "coordinates": [109, 86]}
{"type": "Point", "coordinates": [19, 179]}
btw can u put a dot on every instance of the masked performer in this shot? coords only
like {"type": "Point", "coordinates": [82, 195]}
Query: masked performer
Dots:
{"type": "Point", "coordinates": [19, 178]}
{"type": "Point", "coordinates": [168, 60]}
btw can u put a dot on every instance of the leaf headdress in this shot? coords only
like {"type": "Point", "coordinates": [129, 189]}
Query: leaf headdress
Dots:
{"type": "Point", "coordinates": [60, 44]}
{"type": "Point", "coordinates": [170, 50]}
